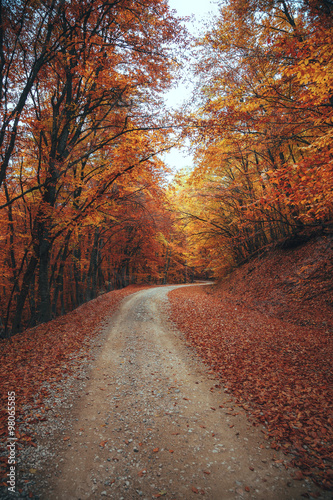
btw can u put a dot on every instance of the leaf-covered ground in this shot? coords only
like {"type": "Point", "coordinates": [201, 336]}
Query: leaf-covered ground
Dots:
{"type": "Point", "coordinates": [47, 353]}
{"type": "Point", "coordinates": [279, 372]}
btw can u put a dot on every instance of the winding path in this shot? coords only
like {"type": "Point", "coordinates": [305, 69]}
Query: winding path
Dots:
{"type": "Point", "coordinates": [149, 423]}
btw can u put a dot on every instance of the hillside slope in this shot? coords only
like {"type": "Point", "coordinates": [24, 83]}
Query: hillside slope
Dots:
{"type": "Point", "coordinates": [292, 284]}
{"type": "Point", "coordinates": [266, 331]}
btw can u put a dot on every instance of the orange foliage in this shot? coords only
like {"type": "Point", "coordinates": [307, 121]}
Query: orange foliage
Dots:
{"type": "Point", "coordinates": [263, 129]}
{"type": "Point", "coordinates": [82, 184]}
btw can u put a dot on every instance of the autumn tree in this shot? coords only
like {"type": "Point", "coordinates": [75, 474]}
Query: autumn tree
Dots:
{"type": "Point", "coordinates": [84, 116]}
{"type": "Point", "coordinates": [263, 128]}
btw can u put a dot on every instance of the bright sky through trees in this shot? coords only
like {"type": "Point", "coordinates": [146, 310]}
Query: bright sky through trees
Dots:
{"type": "Point", "coordinates": [199, 10]}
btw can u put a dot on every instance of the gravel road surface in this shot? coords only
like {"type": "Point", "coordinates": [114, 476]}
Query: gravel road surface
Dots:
{"type": "Point", "coordinates": [153, 422]}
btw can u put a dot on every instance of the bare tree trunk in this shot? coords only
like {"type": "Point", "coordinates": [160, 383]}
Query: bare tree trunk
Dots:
{"type": "Point", "coordinates": [167, 265]}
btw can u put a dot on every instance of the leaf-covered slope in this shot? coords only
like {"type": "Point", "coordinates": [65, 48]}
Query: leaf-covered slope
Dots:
{"type": "Point", "coordinates": [294, 283]}
{"type": "Point", "coordinates": [279, 371]}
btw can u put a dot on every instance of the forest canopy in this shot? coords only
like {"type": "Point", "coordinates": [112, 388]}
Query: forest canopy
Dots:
{"type": "Point", "coordinates": [262, 129]}
{"type": "Point", "coordinates": [80, 176]}
{"type": "Point", "coordinates": [84, 202]}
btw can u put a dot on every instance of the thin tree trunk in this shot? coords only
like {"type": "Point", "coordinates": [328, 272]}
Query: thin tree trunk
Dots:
{"type": "Point", "coordinates": [92, 272]}
{"type": "Point", "coordinates": [44, 306]}
{"type": "Point", "coordinates": [59, 282]}
{"type": "Point", "coordinates": [167, 265]}
{"type": "Point", "coordinates": [27, 278]}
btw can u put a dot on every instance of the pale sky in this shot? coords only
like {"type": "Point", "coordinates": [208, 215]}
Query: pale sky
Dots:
{"type": "Point", "coordinates": [200, 9]}
{"type": "Point", "coordinates": [188, 7]}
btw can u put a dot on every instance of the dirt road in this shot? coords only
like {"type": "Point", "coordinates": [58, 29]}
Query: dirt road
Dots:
{"type": "Point", "coordinates": [149, 424]}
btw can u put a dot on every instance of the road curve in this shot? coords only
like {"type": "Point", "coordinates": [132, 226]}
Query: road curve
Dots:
{"type": "Point", "coordinates": [149, 423]}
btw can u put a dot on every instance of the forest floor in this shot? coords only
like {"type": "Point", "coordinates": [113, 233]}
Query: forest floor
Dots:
{"type": "Point", "coordinates": [121, 406]}
{"type": "Point", "coordinates": [267, 331]}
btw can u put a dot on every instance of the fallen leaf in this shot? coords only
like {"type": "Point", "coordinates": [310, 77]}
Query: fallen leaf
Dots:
{"type": "Point", "coordinates": [298, 476]}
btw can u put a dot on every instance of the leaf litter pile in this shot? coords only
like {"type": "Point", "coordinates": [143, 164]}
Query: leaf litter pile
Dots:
{"type": "Point", "coordinates": [279, 373]}
{"type": "Point", "coordinates": [48, 353]}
